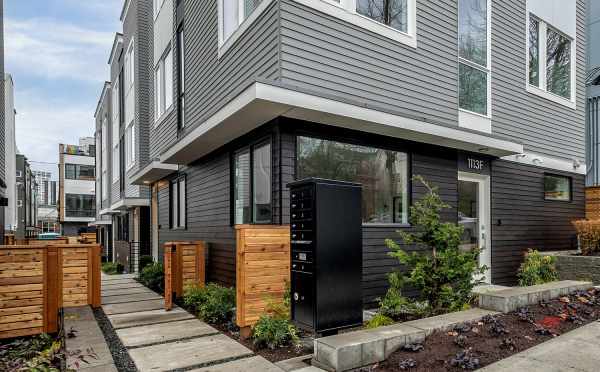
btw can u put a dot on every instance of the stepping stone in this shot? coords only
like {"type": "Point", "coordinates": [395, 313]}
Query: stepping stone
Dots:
{"type": "Point", "coordinates": [148, 317]}
{"type": "Point", "coordinates": [118, 276]}
{"type": "Point", "coordinates": [126, 291]}
{"type": "Point", "coordinates": [130, 298]}
{"type": "Point", "coordinates": [171, 331]}
{"type": "Point", "coordinates": [117, 282]}
{"type": "Point", "coordinates": [122, 286]}
{"type": "Point", "coordinates": [188, 353]}
{"type": "Point", "coordinates": [133, 307]}
{"type": "Point", "coordinates": [252, 364]}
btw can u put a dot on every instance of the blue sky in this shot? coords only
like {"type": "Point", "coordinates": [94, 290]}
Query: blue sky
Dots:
{"type": "Point", "coordinates": [57, 53]}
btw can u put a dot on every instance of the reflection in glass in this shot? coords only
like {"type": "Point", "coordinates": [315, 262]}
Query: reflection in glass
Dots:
{"type": "Point", "coordinates": [389, 12]}
{"type": "Point", "coordinates": [382, 173]}
{"type": "Point", "coordinates": [249, 6]}
{"type": "Point", "coordinates": [473, 89]}
{"type": "Point", "coordinates": [534, 52]}
{"type": "Point", "coordinates": [262, 184]}
{"type": "Point", "coordinates": [472, 31]}
{"type": "Point", "coordinates": [558, 60]}
{"type": "Point", "coordinates": [557, 188]}
{"type": "Point", "coordinates": [468, 214]}
{"type": "Point", "coordinates": [242, 187]}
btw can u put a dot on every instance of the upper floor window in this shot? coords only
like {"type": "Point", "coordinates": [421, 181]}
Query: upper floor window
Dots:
{"type": "Point", "coordinates": [181, 75]}
{"type": "Point", "coordinates": [233, 13]}
{"type": "Point", "coordinates": [474, 56]}
{"type": "Point", "coordinates": [116, 109]}
{"type": "Point", "coordinates": [77, 205]}
{"type": "Point", "coordinates": [557, 188]}
{"type": "Point", "coordinates": [80, 172]}
{"type": "Point", "coordinates": [130, 145]}
{"type": "Point", "coordinates": [252, 179]}
{"type": "Point", "coordinates": [550, 65]}
{"type": "Point", "coordinates": [157, 7]}
{"type": "Point", "coordinates": [163, 84]}
{"type": "Point", "coordinates": [115, 163]}
{"type": "Point", "coordinates": [393, 13]}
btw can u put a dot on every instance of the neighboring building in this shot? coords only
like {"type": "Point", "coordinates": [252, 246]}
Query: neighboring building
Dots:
{"type": "Point", "coordinates": [47, 191]}
{"type": "Point", "coordinates": [43, 179]}
{"type": "Point", "coordinates": [593, 94]}
{"type": "Point", "coordinates": [3, 197]}
{"type": "Point", "coordinates": [10, 155]}
{"type": "Point", "coordinates": [483, 98]}
{"type": "Point", "coordinates": [27, 206]}
{"type": "Point", "coordinates": [77, 200]}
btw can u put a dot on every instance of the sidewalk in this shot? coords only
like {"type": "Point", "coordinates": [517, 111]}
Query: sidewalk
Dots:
{"type": "Point", "coordinates": [578, 350]}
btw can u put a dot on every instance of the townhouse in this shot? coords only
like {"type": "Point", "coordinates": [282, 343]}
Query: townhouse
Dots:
{"type": "Point", "coordinates": [483, 98]}
{"type": "Point", "coordinates": [3, 197]}
{"type": "Point", "coordinates": [27, 201]}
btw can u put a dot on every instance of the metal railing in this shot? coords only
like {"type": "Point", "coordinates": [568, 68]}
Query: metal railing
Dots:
{"type": "Point", "coordinates": [137, 250]}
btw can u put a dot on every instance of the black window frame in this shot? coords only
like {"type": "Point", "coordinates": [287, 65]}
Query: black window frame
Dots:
{"type": "Point", "coordinates": [569, 178]}
{"type": "Point", "coordinates": [76, 168]}
{"type": "Point", "coordinates": [172, 226]}
{"type": "Point", "coordinates": [180, 76]}
{"type": "Point", "coordinates": [250, 149]}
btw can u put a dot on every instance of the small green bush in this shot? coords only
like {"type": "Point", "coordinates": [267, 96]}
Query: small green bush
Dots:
{"type": "Point", "coordinates": [274, 332]}
{"type": "Point", "coordinates": [153, 277]}
{"type": "Point", "coordinates": [379, 320]}
{"type": "Point", "coordinates": [213, 303]}
{"type": "Point", "coordinates": [145, 261]}
{"type": "Point", "coordinates": [537, 269]}
{"type": "Point", "coordinates": [112, 268]}
{"type": "Point", "coordinates": [396, 306]}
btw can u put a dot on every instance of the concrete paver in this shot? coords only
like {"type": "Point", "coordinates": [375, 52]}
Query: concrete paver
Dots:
{"type": "Point", "coordinates": [141, 318]}
{"type": "Point", "coordinates": [130, 298]}
{"type": "Point", "coordinates": [106, 277]}
{"type": "Point", "coordinates": [124, 291]}
{"type": "Point", "coordinates": [251, 364]}
{"type": "Point", "coordinates": [122, 285]}
{"type": "Point", "coordinates": [448, 321]}
{"type": "Point", "coordinates": [188, 353]}
{"type": "Point", "coordinates": [172, 331]}
{"type": "Point", "coordinates": [133, 307]}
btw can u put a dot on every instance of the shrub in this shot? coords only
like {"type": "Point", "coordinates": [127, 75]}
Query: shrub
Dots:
{"type": "Point", "coordinates": [145, 261]}
{"type": "Point", "coordinates": [274, 332]}
{"type": "Point", "coordinates": [396, 306]}
{"type": "Point", "coordinates": [153, 277]}
{"type": "Point", "coordinates": [588, 233]}
{"type": "Point", "coordinates": [112, 268]}
{"type": "Point", "coordinates": [537, 269]}
{"type": "Point", "coordinates": [213, 303]}
{"type": "Point", "coordinates": [379, 320]}
{"type": "Point", "coordinates": [442, 272]}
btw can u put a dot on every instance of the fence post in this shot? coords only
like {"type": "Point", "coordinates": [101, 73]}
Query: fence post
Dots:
{"type": "Point", "coordinates": [178, 270]}
{"type": "Point", "coordinates": [52, 287]}
{"type": "Point", "coordinates": [95, 275]}
{"type": "Point", "coordinates": [200, 263]}
{"type": "Point", "coordinates": [168, 267]}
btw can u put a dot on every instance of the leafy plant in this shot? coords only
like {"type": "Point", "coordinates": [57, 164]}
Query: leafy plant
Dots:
{"type": "Point", "coordinates": [379, 320]}
{"type": "Point", "coordinates": [441, 272]}
{"type": "Point", "coordinates": [396, 306]}
{"type": "Point", "coordinates": [537, 269]}
{"type": "Point", "coordinates": [273, 332]}
{"type": "Point", "coordinates": [112, 268]}
{"type": "Point", "coordinates": [153, 277]}
{"type": "Point", "coordinates": [36, 353]}
{"type": "Point", "coordinates": [588, 233]}
{"type": "Point", "coordinates": [213, 303]}
{"type": "Point", "coordinates": [145, 261]}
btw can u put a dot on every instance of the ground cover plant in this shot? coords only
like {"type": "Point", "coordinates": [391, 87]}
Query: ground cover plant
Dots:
{"type": "Point", "coordinates": [212, 303]}
{"type": "Point", "coordinates": [474, 345]}
{"type": "Point", "coordinates": [274, 329]}
{"type": "Point", "coordinates": [537, 269]}
{"type": "Point", "coordinates": [153, 277]}
{"type": "Point", "coordinates": [34, 353]}
{"type": "Point", "coordinates": [112, 268]}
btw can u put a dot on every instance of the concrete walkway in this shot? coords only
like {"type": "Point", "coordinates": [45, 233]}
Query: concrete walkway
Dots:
{"type": "Point", "coordinates": [578, 350]}
{"type": "Point", "coordinates": [157, 340]}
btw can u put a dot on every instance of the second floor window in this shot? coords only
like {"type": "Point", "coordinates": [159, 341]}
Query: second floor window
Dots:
{"type": "Point", "coordinates": [77, 205]}
{"type": "Point", "coordinates": [181, 75]}
{"type": "Point", "coordinates": [115, 163]}
{"type": "Point", "coordinates": [116, 109]}
{"type": "Point", "coordinates": [233, 13]}
{"type": "Point", "coordinates": [79, 172]}
{"type": "Point", "coordinates": [163, 84]}
{"type": "Point", "coordinates": [393, 13]}
{"type": "Point", "coordinates": [130, 145]}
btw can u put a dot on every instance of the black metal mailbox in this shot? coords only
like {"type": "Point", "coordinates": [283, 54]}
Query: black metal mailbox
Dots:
{"type": "Point", "coordinates": [326, 254]}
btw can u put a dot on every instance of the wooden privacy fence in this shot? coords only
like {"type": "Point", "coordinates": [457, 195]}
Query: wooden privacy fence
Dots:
{"type": "Point", "coordinates": [184, 263]}
{"type": "Point", "coordinates": [262, 270]}
{"type": "Point", "coordinates": [37, 280]}
{"type": "Point", "coordinates": [592, 203]}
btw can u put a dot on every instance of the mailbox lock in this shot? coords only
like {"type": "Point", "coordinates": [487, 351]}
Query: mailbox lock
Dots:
{"type": "Point", "coordinates": [296, 296]}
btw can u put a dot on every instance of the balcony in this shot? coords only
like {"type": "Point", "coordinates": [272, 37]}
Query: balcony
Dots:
{"type": "Point", "coordinates": [80, 213]}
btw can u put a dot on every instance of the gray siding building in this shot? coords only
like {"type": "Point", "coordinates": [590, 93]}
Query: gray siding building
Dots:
{"type": "Point", "coordinates": [483, 98]}
{"type": "Point", "coordinates": [3, 200]}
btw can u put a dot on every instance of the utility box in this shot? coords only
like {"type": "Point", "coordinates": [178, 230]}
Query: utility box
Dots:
{"type": "Point", "coordinates": [326, 254]}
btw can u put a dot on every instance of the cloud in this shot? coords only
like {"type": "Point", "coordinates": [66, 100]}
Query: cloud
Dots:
{"type": "Point", "coordinates": [50, 49]}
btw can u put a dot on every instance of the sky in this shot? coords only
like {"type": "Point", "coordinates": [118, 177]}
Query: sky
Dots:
{"type": "Point", "coordinates": [57, 53]}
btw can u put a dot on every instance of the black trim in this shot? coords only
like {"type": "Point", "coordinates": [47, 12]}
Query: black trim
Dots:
{"type": "Point", "coordinates": [177, 180]}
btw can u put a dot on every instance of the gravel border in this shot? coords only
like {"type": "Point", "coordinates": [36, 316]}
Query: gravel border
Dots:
{"type": "Point", "coordinates": [120, 355]}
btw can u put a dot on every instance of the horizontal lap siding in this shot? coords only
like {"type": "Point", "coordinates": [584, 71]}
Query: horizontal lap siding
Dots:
{"type": "Point", "coordinates": [524, 117]}
{"type": "Point", "coordinates": [522, 219]}
{"type": "Point", "coordinates": [330, 57]}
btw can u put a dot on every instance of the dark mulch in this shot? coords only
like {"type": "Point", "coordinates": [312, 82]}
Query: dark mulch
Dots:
{"type": "Point", "coordinates": [478, 344]}
{"type": "Point", "coordinates": [119, 353]}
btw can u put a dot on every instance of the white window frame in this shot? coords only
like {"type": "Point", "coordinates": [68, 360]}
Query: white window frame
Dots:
{"type": "Point", "coordinates": [157, 6]}
{"type": "Point", "coordinates": [116, 113]}
{"type": "Point", "coordinates": [116, 167]}
{"type": "Point", "coordinates": [542, 90]}
{"type": "Point", "coordinates": [470, 119]}
{"type": "Point", "coordinates": [161, 76]}
{"type": "Point", "coordinates": [130, 145]}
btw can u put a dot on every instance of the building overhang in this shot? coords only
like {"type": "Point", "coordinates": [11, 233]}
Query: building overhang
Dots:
{"type": "Point", "coordinates": [262, 102]}
{"type": "Point", "coordinates": [106, 212]}
{"type": "Point", "coordinates": [155, 171]}
{"type": "Point", "coordinates": [99, 223]}
{"type": "Point", "coordinates": [127, 203]}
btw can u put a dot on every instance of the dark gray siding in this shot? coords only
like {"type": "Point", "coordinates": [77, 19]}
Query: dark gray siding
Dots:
{"type": "Point", "coordinates": [522, 219]}
{"type": "Point", "coordinates": [543, 126]}
{"type": "Point", "coordinates": [330, 57]}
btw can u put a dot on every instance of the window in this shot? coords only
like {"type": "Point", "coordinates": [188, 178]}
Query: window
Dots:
{"type": "Point", "coordinates": [253, 183]}
{"type": "Point", "coordinates": [393, 13]}
{"type": "Point", "coordinates": [115, 163]}
{"type": "Point", "coordinates": [181, 76]}
{"type": "Point", "coordinates": [550, 65]}
{"type": "Point", "coordinates": [104, 135]}
{"type": "Point", "coordinates": [77, 205]}
{"type": "Point", "coordinates": [79, 172]}
{"type": "Point", "coordinates": [473, 55]}
{"type": "Point", "coordinates": [20, 203]}
{"type": "Point", "coordinates": [157, 7]}
{"type": "Point", "coordinates": [130, 145]}
{"type": "Point", "coordinates": [19, 174]}
{"type": "Point", "coordinates": [382, 173]}
{"type": "Point", "coordinates": [557, 188]}
{"type": "Point", "coordinates": [233, 13]}
{"type": "Point", "coordinates": [178, 203]}
{"type": "Point", "coordinates": [163, 84]}
{"type": "Point", "coordinates": [116, 103]}
{"type": "Point", "coordinates": [129, 85]}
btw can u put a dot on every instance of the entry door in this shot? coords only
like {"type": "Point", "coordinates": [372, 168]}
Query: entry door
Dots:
{"type": "Point", "coordinates": [474, 217]}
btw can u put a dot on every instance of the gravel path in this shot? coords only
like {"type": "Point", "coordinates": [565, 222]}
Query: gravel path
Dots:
{"type": "Point", "coordinates": [119, 353]}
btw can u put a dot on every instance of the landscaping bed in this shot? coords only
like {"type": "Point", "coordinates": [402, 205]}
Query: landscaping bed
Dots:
{"type": "Point", "coordinates": [475, 345]}
{"type": "Point", "coordinates": [41, 352]}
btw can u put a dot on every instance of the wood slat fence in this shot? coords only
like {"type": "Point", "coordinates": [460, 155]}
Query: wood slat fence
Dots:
{"type": "Point", "coordinates": [262, 270]}
{"type": "Point", "coordinates": [37, 280]}
{"type": "Point", "coordinates": [184, 263]}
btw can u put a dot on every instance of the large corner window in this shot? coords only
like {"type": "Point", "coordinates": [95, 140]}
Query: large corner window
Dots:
{"type": "Point", "coordinates": [557, 188]}
{"type": "Point", "coordinates": [550, 60]}
{"type": "Point", "coordinates": [78, 205]}
{"type": "Point", "coordinates": [253, 185]}
{"type": "Point", "coordinates": [178, 203]}
{"type": "Point", "coordinates": [473, 55]}
{"type": "Point", "coordinates": [232, 13]}
{"type": "Point", "coordinates": [382, 173]}
{"type": "Point", "coordinates": [163, 84]}
{"type": "Point", "coordinates": [130, 145]}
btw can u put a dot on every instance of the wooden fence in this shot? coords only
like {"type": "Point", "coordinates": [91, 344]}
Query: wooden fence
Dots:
{"type": "Point", "coordinates": [263, 270]}
{"type": "Point", "coordinates": [592, 203]}
{"type": "Point", "coordinates": [37, 280]}
{"type": "Point", "coordinates": [184, 263]}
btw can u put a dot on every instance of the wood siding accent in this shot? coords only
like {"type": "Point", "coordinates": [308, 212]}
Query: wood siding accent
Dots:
{"type": "Point", "coordinates": [36, 281]}
{"type": "Point", "coordinates": [184, 264]}
{"type": "Point", "coordinates": [592, 203]}
{"type": "Point", "coordinates": [263, 269]}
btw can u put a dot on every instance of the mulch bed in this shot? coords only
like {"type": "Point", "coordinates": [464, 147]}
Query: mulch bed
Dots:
{"type": "Point", "coordinates": [474, 345]}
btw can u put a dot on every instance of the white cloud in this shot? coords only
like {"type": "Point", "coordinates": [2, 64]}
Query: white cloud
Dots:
{"type": "Point", "coordinates": [56, 50]}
